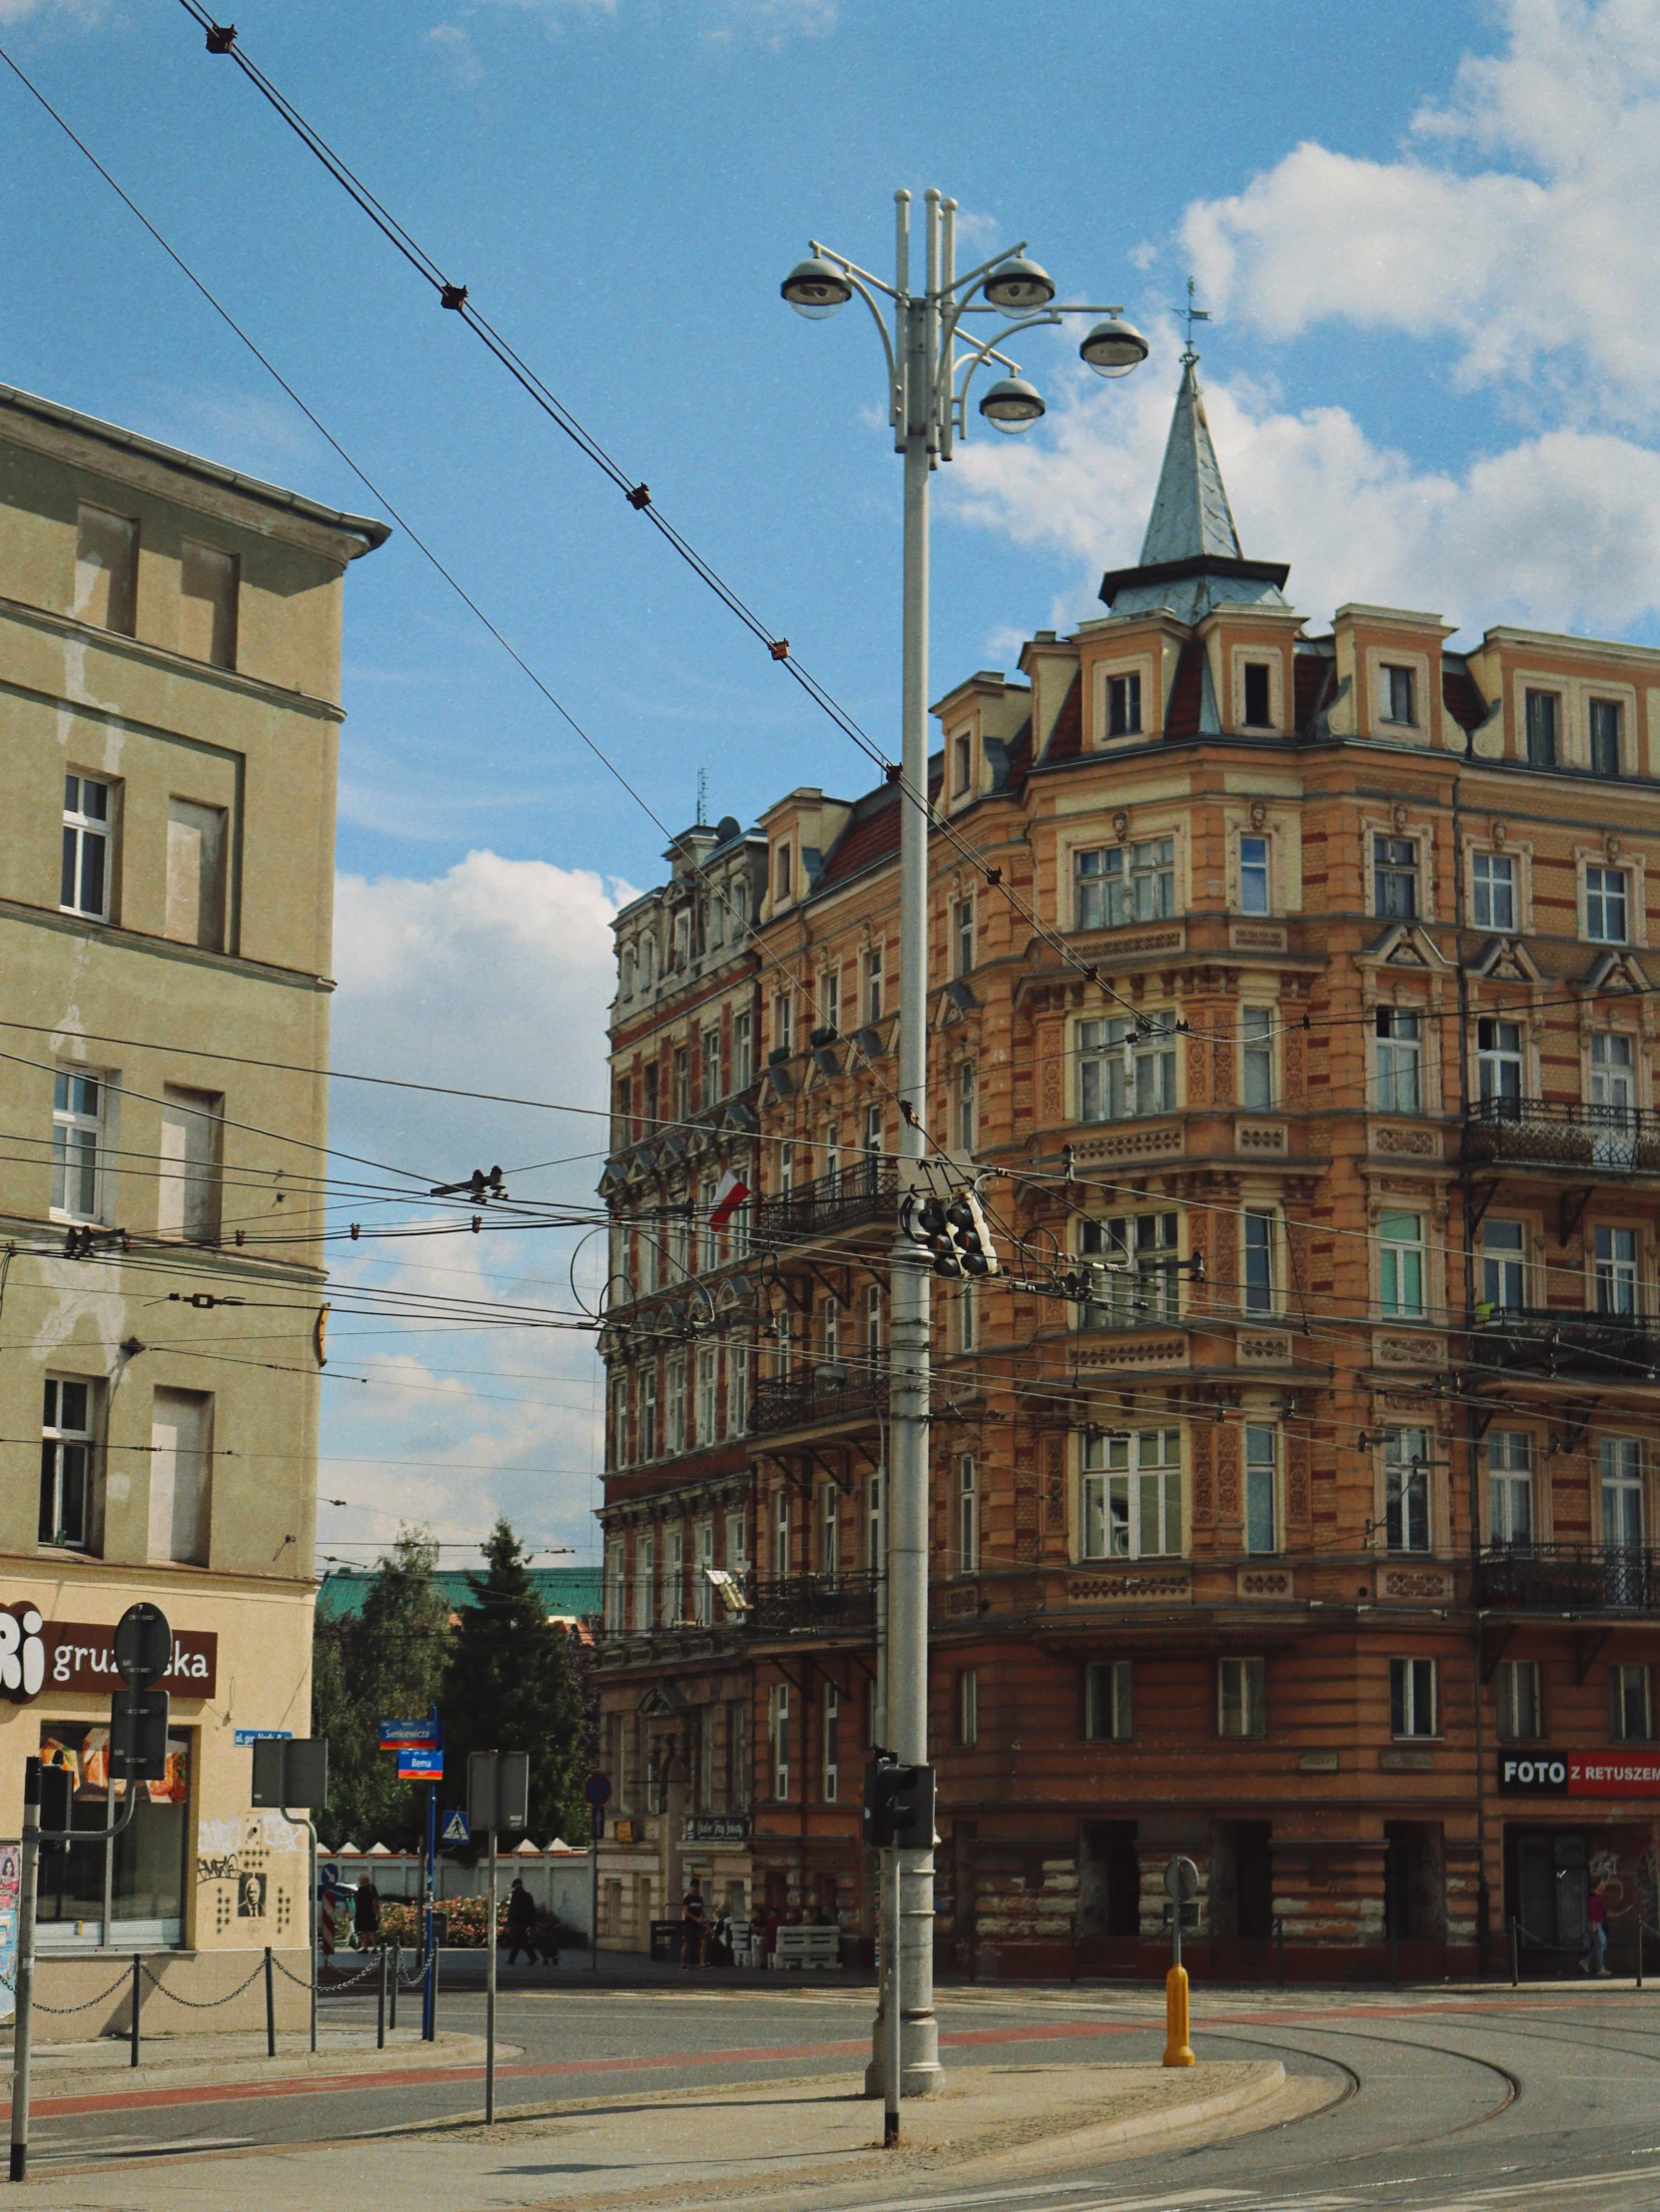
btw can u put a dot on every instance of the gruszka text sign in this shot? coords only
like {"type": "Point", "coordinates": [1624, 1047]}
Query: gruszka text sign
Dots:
{"type": "Point", "coordinates": [1610, 1774]}
{"type": "Point", "coordinates": [80, 1655]}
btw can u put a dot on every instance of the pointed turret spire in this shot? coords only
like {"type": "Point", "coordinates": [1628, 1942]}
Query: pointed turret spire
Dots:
{"type": "Point", "coordinates": [1190, 518]}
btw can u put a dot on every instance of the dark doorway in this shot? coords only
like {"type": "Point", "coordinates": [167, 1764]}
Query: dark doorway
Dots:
{"type": "Point", "coordinates": [1550, 1885]}
{"type": "Point", "coordinates": [1415, 1889]}
{"type": "Point", "coordinates": [1242, 1879]}
{"type": "Point", "coordinates": [778, 1891]}
{"type": "Point", "coordinates": [1108, 1879]}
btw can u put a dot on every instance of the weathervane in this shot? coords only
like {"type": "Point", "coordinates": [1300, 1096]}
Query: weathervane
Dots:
{"type": "Point", "coordinates": [1192, 315]}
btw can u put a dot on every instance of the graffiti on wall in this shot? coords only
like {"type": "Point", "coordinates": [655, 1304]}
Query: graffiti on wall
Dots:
{"type": "Point", "coordinates": [247, 1870]}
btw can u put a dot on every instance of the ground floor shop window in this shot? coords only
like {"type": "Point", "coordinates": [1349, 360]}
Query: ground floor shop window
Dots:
{"type": "Point", "coordinates": [130, 1894]}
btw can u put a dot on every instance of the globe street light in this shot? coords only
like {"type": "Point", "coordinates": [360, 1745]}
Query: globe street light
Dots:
{"type": "Point", "coordinates": [933, 352]}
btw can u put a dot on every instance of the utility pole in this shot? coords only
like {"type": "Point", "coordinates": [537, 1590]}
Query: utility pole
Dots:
{"type": "Point", "coordinates": [932, 355]}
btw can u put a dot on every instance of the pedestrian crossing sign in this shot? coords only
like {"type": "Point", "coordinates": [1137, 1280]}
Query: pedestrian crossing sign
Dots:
{"type": "Point", "coordinates": [456, 1829]}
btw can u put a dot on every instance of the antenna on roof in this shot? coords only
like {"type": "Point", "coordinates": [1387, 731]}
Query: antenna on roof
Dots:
{"type": "Point", "coordinates": [1191, 314]}
{"type": "Point", "coordinates": [702, 794]}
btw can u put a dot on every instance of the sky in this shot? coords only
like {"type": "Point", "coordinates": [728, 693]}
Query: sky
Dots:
{"type": "Point", "coordinates": [1425, 234]}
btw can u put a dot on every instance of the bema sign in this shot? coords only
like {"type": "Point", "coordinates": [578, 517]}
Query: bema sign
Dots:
{"type": "Point", "coordinates": [37, 1655]}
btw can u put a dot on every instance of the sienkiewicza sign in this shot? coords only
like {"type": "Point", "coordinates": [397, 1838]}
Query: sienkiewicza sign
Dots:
{"type": "Point", "coordinates": [37, 1654]}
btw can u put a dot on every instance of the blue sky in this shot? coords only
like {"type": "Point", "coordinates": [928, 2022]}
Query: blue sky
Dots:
{"type": "Point", "coordinates": [1425, 232]}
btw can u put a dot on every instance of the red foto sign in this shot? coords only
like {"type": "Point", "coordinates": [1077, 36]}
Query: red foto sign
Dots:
{"type": "Point", "coordinates": [1614, 1773]}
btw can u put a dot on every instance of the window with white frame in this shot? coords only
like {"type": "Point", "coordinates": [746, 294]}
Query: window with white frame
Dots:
{"type": "Point", "coordinates": [873, 983]}
{"type": "Point", "coordinates": [1399, 694]}
{"type": "Point", "coordinates": [876, 1527]}
{"type": "Point", "coordinates": [778, 1737]}
{"type": "Point", "coordinates": [708, 1393]}
{"type": "Point", "coordinates": [1136, 1281]}
{"type": "Point", "coordinates": [737, 1542]}
{"type": "Point", "coordinates": [1505, 1265]}
{"type": "Point", "coordinates": [1115, 884]}
{"type": "Point", "coordinates": [1521, 1705]}
{"type": "Point", "coordinates": [968, 1514]}
{"type": "Point", "coordinates": [1124, 704]}
{"type": "Point", "coordinates": [703, 1557]}
{"type": "Point", "coordinates": [1630, 1704]}
{"type": "Point", "coordinates": [646, 1583]}
{"type": "Point", "coordinates": [1499, 1066]}
{"type": "Point", "coordinates": [1394, 877]}
{"type": "Point", "coordinates": [830, 1722]}
{"type": "Point", "coordinates": [1412, 1698]}
{"type": "Point", "coordinates": [829, 1529]}
{"type": "Point", "coordinates": [1510, 1488]}
{"type": "Point", "coordinates": [1622, 1492]}
{"type": "Point", "coordinates": [79, 1105]}
{"type": "Point", "coordinates": [1261, 1487]}
{"type": "Point", "coordinates": [1406, 1490]}
{"type": "Point", "coordinates": [1256, 1059]}
{"type": "Point", "coordinates": [1132, 1494]}
{"type": "Point", "coordinates": [968, 1707]}
{"type": "Point", "coordinates": [783, 1022]}
{"type": "Point", "coordinates": [1241, 1697]}
{"type": "Point", "coordinates": [646, 1420]}
{"type": "Point", "coordinates": [87, 825]}
{"type": "Point", "coordinates": [708, 1239]}
{"type": "Point", "coordinates": [675, 1424]}
{"type": "Point", "coordinates": [1493, 891]}
{"type": "Point", "coordinates": [872, 1346]}
{"type": "Point", "coordinates": [1256, 894]}
{"type": "Point", "coordinates": [1397, 1061]}
{"type": "Point", "coordinates": [1259, 1288]}
{"type": "Point", "coordinates": [737, 1386]}
{"type": "Point", "coordinates": [1607, 901]}
{"type": "Point", "coordinates": [743, 1051]}
{"type": "Point", "coordinates": [781, 1536]}
{"type": "Point", "coordinates": [710, 1073]}
{"type": "Point", "coordinates": [1125, 1067]}
{"type": "Point", "coordinates": [619, 1420]}
{"type": "Point", "coordinates": [68, 1463]}
{"type": "Point", "coordinates": [1108, 1716]}
{"type": "Point", "coordinates": [1614, 1269]}
{"type": "Point", "coordinates": [968, 1124]}
{"type": "Point", "coordinates": [965, 1308]}
{"type": "Point", "coordinates": [830, 998]}
{"type": "Point", "coordinates": [1400, 1271]}
{"type": "Point", "coordinates": [1613, 1078]}
{"type": "Point", "coordinates": [615, 1586]}
{"type": "Point", "coordinates": [672, 1591]}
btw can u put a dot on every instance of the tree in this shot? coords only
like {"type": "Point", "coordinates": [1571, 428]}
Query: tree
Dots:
{"type": "Point", "coordinates": [387, 1661]}
{"type": "Point", "coordinates": [514, 1685]}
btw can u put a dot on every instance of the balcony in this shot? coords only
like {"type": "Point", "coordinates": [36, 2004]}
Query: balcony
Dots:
{"type": "Point", "coordinates": [1549, 1341]}
{"type": "Point", "coordinates": [1568, 1578]}
{"type": "Point", "coordinates": [804, 1604]}
{"type": "Point", "coordinates": [833, 1392]}
{"type": "Point", "coordinates": [867, 1191]}
{"type": "Point", "coordinates": [1529, 1133]}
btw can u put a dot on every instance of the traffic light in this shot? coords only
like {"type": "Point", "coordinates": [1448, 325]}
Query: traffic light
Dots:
{"type": "Point", "coordinates": [954, 1231]}
{"type": "Point", "coordinates": [898, 1806]}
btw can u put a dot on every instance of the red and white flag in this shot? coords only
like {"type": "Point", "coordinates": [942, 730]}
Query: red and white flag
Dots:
{"type": "Point", "coordinates": [729, 1195]}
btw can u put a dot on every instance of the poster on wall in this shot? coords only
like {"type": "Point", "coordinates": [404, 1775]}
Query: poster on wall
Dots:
{"type": "Point", "coordinates": [11, 1855]}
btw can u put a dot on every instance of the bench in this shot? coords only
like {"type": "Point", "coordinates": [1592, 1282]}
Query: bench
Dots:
{"type": "Point", "coordinates": [808, 1947]}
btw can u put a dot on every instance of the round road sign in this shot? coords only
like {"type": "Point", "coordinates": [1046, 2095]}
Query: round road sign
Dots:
{"type": "Point", "coordinates": [143, 1644]}
{"type": "Point", "coordinates": [598, 1788]}
{"type": "Point", "coordinates": [1182, 1880]}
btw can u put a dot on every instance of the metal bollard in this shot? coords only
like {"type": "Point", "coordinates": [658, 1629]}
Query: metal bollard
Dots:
{"type": "Point", "coordinates": [397, 1969]}
{"type": "Point", "coordinates": [432, 1969]}
{"type": "Point", "coordinates": [270, 2007]}
{"type": "Point", "coordinates": [1639, 1947]}
{"type": "Point", "coordinates": [138, 1993]}
{"type": "Point", "coordinates": [380, 2004]}
{"type": "Point", "coordinates": [1515, 1953]}
{"type": "Point", "coordinates": [1280, 1948]}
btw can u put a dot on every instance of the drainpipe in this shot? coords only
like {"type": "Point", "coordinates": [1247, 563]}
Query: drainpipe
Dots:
{"type": "Point", "coordinates": [1472, 1437]}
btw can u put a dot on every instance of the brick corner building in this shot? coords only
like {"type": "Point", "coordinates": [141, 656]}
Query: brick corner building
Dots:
{"type": "Point", "coordinates": [1315, 1543]}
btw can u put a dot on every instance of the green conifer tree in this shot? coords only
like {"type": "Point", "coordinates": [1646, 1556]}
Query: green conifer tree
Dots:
{"type": "Point", "coordinates": [386, 1661]}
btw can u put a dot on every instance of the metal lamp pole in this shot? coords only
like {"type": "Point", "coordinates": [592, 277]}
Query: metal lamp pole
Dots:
{"type": "Point", "coordinates": [932, 357]}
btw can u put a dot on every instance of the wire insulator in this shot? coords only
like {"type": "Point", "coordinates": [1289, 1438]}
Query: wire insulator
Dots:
{"type": "Point", "coordinates": [221, 37]}
{"type": "Point", "coordinates": [640, 496]}
{"type": "Point", "coordinates": [779, 649]}
{"type": "Point", "coordinates": [453, 295]}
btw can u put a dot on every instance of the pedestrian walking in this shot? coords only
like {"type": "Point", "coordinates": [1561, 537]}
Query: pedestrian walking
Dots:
{"type": "Point", "coordinates": [693, 1923]}
{"type": "Point", "coordinates": [366, 1912]}
{"type": "Point", "coordinates": [1596, 1939]}
{"type": "Point", "coordinates": [521, 1923]}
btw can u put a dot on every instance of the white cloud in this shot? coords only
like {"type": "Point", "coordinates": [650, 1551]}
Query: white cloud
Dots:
{"type": "Point", "coordinates": [84, 13]}
{"type": "Point", "coordinates": [493, 977]}
{"type": "Point", "coordinates": [1537, 266]}
{"type": "Point", "coordinates": [1561, 530]}
{"type": "Point", "coordinates": [455, 43]}
{"type": "Point", "coordinates": [773, 22]}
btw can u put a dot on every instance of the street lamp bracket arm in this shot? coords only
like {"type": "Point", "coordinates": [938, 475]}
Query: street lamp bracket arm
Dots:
{"type": "Point", "coordinates": [851, 269]}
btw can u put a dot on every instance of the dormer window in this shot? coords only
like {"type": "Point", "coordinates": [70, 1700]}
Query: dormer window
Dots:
{"type": "Point", "coordinates": [1399, 700]}
{"type": "Point", "coordinates": [781, 873]}
{"type": "Point", "coordinates": [1542, 714]}
{"type": "Point", "coordinates": [1258, 703]}
{"type": "Point", "coordinates": [962, 764]}
{"type": "Point", "coordinates": [1124, 704]}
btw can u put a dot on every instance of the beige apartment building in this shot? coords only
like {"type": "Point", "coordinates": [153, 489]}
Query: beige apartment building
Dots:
{"type": "Point", "coordinates": [169, 706]}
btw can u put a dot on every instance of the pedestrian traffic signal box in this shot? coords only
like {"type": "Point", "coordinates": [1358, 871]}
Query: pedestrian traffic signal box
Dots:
{"type": "Point", "coordinates": [899, 1807]}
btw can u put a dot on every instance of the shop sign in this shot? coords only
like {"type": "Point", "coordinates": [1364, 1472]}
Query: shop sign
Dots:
{"type": "Point", "coordinates": [717, 1827]}
{"type": "Point", "coordinates": [1580, 1773]}
{"type": "Point", "coordinates": [37, 1654]}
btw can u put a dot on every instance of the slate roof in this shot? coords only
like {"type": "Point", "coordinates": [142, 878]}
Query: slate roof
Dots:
{"type": "Point", "coordinates": [1191, 513]}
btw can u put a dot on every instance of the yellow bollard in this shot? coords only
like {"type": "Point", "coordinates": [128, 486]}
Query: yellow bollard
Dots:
{"type": "Point", "coordinates": [1178, 2050]}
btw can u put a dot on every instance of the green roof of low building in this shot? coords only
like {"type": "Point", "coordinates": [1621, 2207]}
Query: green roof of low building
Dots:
{"type": "Point", "coordinates": [567, 1591]}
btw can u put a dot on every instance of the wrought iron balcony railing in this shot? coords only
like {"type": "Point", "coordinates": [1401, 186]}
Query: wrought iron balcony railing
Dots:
{"type": "Point", "coordinates": [836, 1391]}
{"type": "Point", "coordinates": [863, 1191]}
{"type": "Point", "coordinates": [1537, 1133]}
{"type": "Point", "coordinates": [805, 1602]}
{"type": "Point", "coordinates": [1568, 1578]}
{"type": "Point", "coordinates": [1551, 1340]}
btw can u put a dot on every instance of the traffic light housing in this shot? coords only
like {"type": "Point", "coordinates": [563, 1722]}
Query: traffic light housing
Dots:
{"type": "Point", "coordinates": [952, 1231]}
{"type": "Point", "coordinates": [899, 1807]}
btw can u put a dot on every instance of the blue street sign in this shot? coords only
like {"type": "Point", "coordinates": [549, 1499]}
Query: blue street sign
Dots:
{"type": "Point", "coordinates": [457, 1827]}
{"type": "Point", "coordinates": [597, 1789]}
{"type": "Point", "coordinates": [417, 1764]}
{"type": "Point", "coordinates": [401, 1735]}
{"type": "Point", "coordinates": [264, 1735]}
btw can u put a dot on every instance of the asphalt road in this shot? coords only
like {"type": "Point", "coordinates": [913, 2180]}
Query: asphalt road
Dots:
{"type": "Point", "coordinates": [1441, 2099]}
